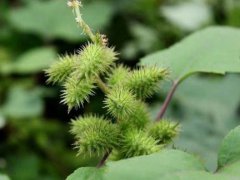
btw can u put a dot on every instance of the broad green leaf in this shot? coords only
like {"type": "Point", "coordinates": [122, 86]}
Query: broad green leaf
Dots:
{"type": "Point", "coordinates": [54, 19]}
{"type": "Point", "coordinates": [212, 50]}
{"type": "Point", "coordinates": [165, 165]}
{"type": "Point", "coordinates": [231, 169]}
{"type": "Point", "coordinates": [230, 148]}
{"type": "Point", "coordinates": [145, 167]}
{"type": "Point", "coordinates": [152, 166]}
{"type": "Point", "coordinates": [23, 103]}
{"type": "Point", "coordinates": [196, 175]}
{"type": "Point", "coordinates": [210, 91]}
{"type": "Point", "coordinates": [207, 107]}
{"type": "Point", "coordinates": [34, 60]}
{"type": "Point", "coordinates": [87, 173]}
{"type": "Point", "coordinates": [91, 173]}
{"type": "Point", "coordinates": [206, 123]}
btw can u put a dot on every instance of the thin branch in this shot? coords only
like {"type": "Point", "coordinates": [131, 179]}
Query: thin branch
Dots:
{"type": "Point", "coordinates": [86, 29]}
{"type": "Point", "coordinates": [105, 89]}
{"type": "Point", "coordinates": [167, 101]}
{"type": "Point", "coordinates": [75, 4]}
{"type": "Point", "coordinates": [102, 85]}
{"type": "Point", "coordinates": [102, 162]}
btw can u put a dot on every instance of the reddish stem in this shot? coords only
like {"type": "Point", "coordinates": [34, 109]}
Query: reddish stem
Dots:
{"type": "Point", "coordinates": [102, 162]}
{"type": "Point", "coordinates": [167, 101]}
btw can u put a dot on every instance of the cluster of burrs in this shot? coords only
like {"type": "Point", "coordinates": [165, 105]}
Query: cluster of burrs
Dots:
{"type": "Point", "coordinates": [127, 130]}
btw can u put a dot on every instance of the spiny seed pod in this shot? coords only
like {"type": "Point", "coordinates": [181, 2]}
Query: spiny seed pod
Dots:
{"type": "Point", "coordinates": [138, 119]}
{"type": "Point", "coordinates": [94, 135]}
{"type": "Point", "coordinates": [137, 143]}
{"type": "Point", "coordinates": [60, 70]}
{"type": "Point", "coordinates": [164, 131]}
{"type": "Point", "coordinates": [77, 91]}
{"type": "Point", "coordinates": [118, 76]}
{"type": "Point", "coordinates": [144, 82]}
{"type": "Point", "coordinates": [120, 102]}
{"type": "Point", "coordinates": [94, 60]}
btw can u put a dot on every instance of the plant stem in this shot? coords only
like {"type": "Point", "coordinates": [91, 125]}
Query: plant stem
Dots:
{"type": "Point", "coordinates": [86, 29]}
{"type": "Point", "coordinates": [102, 162]}
{"type": "Point", "coordinates": [167, 101]}
{"type": "Point", "coordinates": [105, 89]}
{"type": "Point", "coordinates": [102, 85]}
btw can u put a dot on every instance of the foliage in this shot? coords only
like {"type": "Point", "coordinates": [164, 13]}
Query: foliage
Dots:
{"type": "Point", "coordinates": [169, 164]}
{"type": "Point", "coordinates": [94, 135]}
{"type": "Point", "coordinates": [34, 61]}
{"type": "Point", "coordinates": [34, 129]}
{"type": "Point", "coordinates": [229, 151]}
{"type": "Point", "coordinates": [204, 124]}
{"type": "Point", "coordinates": [202, 51]}
{"type": "Point", "coordinates": [122, 99]}
{"type": "Point", "coordinates": [49, 25]}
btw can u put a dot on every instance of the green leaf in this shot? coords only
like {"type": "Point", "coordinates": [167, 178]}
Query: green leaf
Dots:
{"type": "Point", "coordinates": [230, 148]}
{"type": "Point", "coordinates": [87, 173]}
{"type": "Point", "coordinates": [34, 60]}
{"type": "Point", "coordinates": [212, 50]}
{"type": "Point", "coordinates": [144, 167]}
{"type": "Point", "coordinates": [196, 175]}
{"type": "Point", "coordinates": [54, 19]}
{"type": "Point", "coordinates": [207, 114]}
{"type": "Point", "coordinates": [152, 166]}
{"type": "Point", "coordinates": [23, 103]}
{"type": "Point", "coordinates": [208, 93]}
{"type": "Point", "coordinates": [232, 169]}
{"type": "Point", "coordinates": [165, 165]}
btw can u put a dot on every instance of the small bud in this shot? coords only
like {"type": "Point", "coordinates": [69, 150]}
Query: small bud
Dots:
{"type": "Point", "coordinates": [137, 143]}
{"type": "Point", "coordinates": [101, 39]}
{"type": "Point", "coordinates": [120, 102]}
{"type": "Point", "coordinates": [77, 91]}
{"type": "Point", "coordinates": [118, 76]}
{"type": "Point", "coordinates": [95, 60]}
{"type": "Point", "coordinates": [74, 3]}
{"type": "Point", "coordinates": [144, 82]}
{"type": "Point", "coordinates": [138, 119]}
{"type": "Point", "coordinates": [104, 40]}
{"type": "Point", "coordinates": [94, 135]}
{"type": "Point", "coordinates": [164, 131]}
{"type": "Point", "coordinates": [60, 70]}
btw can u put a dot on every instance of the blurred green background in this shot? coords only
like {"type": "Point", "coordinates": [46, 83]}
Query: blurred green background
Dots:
{"type": "Point", "coordinates": [34, 138]}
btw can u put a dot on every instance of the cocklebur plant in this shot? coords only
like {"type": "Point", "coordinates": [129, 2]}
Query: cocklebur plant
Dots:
{"type": "Point", "coordinates": [130, 131]}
